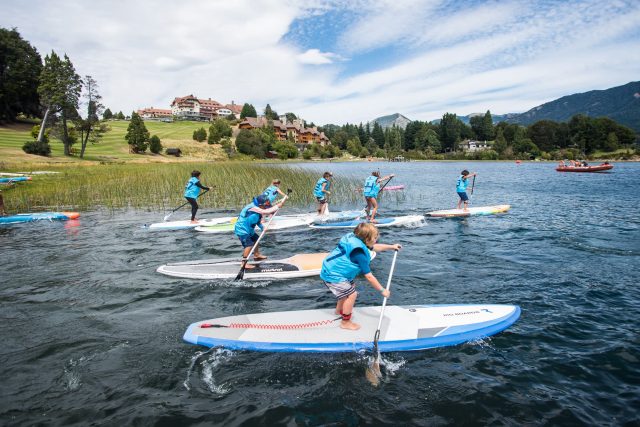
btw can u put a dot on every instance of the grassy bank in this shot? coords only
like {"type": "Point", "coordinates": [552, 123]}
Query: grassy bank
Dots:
{"type": "Point", "coordinates": [113, 147]}
{"type": "Point", "coordinates": [159, 187]}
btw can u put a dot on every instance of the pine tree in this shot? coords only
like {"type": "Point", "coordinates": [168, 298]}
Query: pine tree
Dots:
{"type": "Point", "coordinates": [248, 110]}
{"type": "Point", "coordinates": [137, 134]}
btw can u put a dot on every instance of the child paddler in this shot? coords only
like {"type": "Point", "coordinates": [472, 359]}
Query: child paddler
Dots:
{"type": "Point", "coordinates": [250, 216]}
{"type": "Point", "coordinates": [322, 193]}
{"type": "Point", "coordinates": [192, 191]}
{"type": "Point", "coordinates": [370, 192]}
{"type": "Point", "coordinates": [461, 188]}
{"type": "Point", "coordinates": [273, 190]}
{"type": "Point", "coordinates": [349, 259]}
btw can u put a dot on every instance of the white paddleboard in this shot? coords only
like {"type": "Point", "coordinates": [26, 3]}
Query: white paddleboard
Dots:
{"type": "Point", "coordinates": [301, 265]}
{"type": "Point", "coordinates": [404, 328]}
{"type": "Point", "coordinates": [380, 222]}
{"type": "Point", "coordinates": [480, 210]}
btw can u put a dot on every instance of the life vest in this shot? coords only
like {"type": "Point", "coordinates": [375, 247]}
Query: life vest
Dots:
{"type": "Point", "coordinates": [247, 221]}
{"type": "Point", "coordinates": [317, 190]}
{"type": "Point", "coordinates": [192, 190]}
{"type": "Point", "coordinates": [461, 185]}
{"type": "Point", "coordinates": [271, 192]}
{"type": "Point", "coordinates": [371, 187]}
{"type": "Point", "coordinates": [337, 266]}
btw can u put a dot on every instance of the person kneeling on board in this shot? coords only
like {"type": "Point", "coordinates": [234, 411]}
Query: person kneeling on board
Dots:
{"type": "Point", "coordinates": [350, 258]}
{"type": "Point", "coordinates": [250, 216]}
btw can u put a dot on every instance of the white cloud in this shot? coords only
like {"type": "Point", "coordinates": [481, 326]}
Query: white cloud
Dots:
{"type": "Point", "coordinates": [315, 57]}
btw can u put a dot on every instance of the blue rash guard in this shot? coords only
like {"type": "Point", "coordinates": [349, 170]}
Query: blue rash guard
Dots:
{"type": "Point", "coordinates": [340, 266]}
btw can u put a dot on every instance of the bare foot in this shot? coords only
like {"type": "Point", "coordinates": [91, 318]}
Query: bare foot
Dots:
{"type": "Point", "coordinates": [194, 221]}
{"type": "Point", "coordinates": [249, 266]}
{"type": "Point", "coordinates": [259, 257]}
{"type": "Point", "coordinates": [349, 325]}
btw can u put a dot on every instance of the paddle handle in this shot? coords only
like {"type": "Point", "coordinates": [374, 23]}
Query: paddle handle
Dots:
{"type": "Point", "coordinates": [384, 302]}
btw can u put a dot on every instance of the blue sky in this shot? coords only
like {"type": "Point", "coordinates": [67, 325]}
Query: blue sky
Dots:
{"type": "Point", "coordinates": [338, 62]}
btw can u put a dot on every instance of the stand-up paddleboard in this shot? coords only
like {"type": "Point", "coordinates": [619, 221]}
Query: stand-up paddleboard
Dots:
{"type": "Point", "coordinates": [187, 224]}
{"type": "Point", "coordinates": [404, 328]}
{"type": "Point", "coordinates": [480, 210]}
{"type": "Point", "coordinates": [394, 187]}
{"type": "Point", "coordinates": [277, 224]}
{"type": "Point", "coordinates": [380, 222]}
{"type": "Point", "coordinates": [27, 217]}
{"type": "Point", "coordinates": [301, 265]}
{"type": "Point", "coordinates": [307, 217]}
{"type": "Point", "coordinates": [15, 179]}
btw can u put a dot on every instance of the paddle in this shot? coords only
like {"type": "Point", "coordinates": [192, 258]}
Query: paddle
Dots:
{"type": "Point", "coordinates": [243, 267]}
{"type": "Point", "coordinates": [166, 217]}
{"type": "Point", "coordinates": [364, 211]}
{"type": "Point", "coordinates": [473, 183]}
{"type": "Point", "coordinates": [373, 371]}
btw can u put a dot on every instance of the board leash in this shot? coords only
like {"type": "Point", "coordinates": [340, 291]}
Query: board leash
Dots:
{"type": "Point", "coordinates": [287, 326]}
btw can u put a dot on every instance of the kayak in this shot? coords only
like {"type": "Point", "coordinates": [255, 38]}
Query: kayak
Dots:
{"type": "Point", "coordinates": [307, 217]}
{"type": "Point", "coordinates": [301, 265]}
{"type": "Point", "coordinates": [404, 328]}
{"type": "Point", "coordinates": [28, 217]}
{"type": "Point", "coordinates": [381, 222]}
{"type": "Point", "coordinates": [15, 179]}
{"type": "Point", "coordinates": [598, 168]}
{"type": "Point", "coordinates": [480, 210]}
{"type": "Point", "coordinates": [279, 223]}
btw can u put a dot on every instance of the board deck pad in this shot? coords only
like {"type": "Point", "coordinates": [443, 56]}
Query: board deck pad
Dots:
{"type": "Point", "coordinates": [404, 328]}
{"type": "Point", "coordinates": [480, 210]}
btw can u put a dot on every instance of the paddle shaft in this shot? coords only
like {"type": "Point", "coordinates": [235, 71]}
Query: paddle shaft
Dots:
{"type": "Point", "coordinates": [384, 303]}
{"type": "Point", "coordinates": [183, 205]}
{"type": "Point", "coordinates": [473, 183]}
{"type": "Point", "coordinates": [255, 245]}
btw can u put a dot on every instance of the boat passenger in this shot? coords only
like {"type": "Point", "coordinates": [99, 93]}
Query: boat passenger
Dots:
{"type": "Point", "coordinates": [273, 190]}
{"type": "Point", "coordinates": [461, 188]}
{"type": "Point", "coordinates": [250, 216]}
{"type": "Point", "coordinates": [322, 193]}
{"type": "Point", "coordinates": [349, 259]}
{"type": "Point", "coordinates": [192, 191]}
{"type": "Point", "coordinates": [370, 192]}
{"type": "Point", "coordinates": [585, 164]}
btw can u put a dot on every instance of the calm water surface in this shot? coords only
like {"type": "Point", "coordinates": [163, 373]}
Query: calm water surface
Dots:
{"type": "Point", "coordinates": [92, 335]}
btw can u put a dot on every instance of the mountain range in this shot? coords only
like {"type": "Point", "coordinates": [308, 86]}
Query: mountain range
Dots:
{"type": "Point", "coordinates": [620, 103]}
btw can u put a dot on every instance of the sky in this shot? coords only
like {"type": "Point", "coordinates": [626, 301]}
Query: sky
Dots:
{"type": "Point", "coordinates": [340, 61]}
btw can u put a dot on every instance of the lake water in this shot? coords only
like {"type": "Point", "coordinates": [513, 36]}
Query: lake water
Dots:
{"type": "Point", "coordinates": [91, 334]}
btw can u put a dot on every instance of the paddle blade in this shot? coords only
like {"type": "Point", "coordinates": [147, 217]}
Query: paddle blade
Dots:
{"type": "Point", "coordinates": [373, 373]}
{"type": "Point", "coordinates": [240, 275]}
{"type": "Point", "coordinates": [166, 217]}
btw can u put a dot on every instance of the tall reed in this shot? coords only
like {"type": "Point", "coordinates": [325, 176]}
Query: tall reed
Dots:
{"type": "Point", "coordinates": [161, 186]}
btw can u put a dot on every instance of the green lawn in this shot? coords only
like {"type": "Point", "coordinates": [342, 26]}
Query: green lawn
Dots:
{"type": "Point", "coordinates": [112, 147]}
